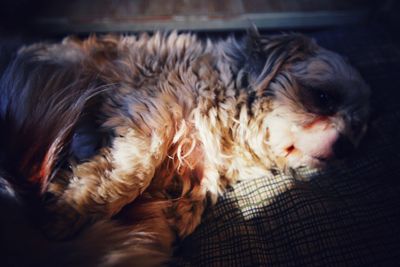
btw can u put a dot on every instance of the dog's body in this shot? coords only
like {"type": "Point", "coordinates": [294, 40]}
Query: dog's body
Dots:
{"type": "Point", "coordinates": [150, 130]}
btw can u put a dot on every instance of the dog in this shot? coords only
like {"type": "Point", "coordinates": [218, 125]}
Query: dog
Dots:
{"type": "Point", "coordinates": [131, 138]}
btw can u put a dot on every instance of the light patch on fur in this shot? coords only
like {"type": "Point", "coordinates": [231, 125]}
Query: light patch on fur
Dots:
{"type": "Point", "coordinates": [185, 119]}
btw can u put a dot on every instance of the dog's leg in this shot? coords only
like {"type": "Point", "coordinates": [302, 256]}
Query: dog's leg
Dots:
{"type": "Point", "coordinates": [100, 187]}
{"type": "Point", "coordinates": [148, 239]}
{"type": "Point", "coordinates": [186, 211]}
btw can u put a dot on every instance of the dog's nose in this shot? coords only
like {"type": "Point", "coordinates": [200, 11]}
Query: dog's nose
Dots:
{"type": "Point", "coordinates": [343, 147]}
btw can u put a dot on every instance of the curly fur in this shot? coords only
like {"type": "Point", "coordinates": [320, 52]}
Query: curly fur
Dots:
{"type": "Point", "coordinates": [149, 130]}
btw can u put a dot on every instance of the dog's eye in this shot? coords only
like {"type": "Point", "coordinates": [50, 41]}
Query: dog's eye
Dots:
{"type": "Point", "coordinates": [322, 101]}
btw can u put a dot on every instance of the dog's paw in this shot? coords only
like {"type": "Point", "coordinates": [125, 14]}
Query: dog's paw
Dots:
{"type": "Point", "coordinates": [187, 216]}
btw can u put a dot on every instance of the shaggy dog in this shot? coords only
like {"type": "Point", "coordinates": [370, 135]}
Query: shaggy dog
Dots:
{"type": "Point", "coordinates": [123, 141]}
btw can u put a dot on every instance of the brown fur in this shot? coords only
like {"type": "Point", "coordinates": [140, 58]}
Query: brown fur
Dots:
{"type": "Point", "coordinates": [184, 118]}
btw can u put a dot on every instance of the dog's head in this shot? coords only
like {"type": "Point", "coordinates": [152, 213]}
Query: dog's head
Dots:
{"type": "Point", "coordinates": [319, 103]}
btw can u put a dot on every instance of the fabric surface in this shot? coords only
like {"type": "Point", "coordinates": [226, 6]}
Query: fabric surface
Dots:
{"type": "Point", "coordinates": [347, 215]}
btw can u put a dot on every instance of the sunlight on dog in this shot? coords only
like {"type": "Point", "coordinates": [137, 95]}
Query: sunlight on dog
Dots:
{"type": "Point", "coordinates": [135, 136]}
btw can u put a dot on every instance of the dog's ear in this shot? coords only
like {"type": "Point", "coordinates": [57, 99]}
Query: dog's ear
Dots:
{"type": "Point", "coordinates": [42, 99]}
{"type": "Point", "coordinates": [268, 54]}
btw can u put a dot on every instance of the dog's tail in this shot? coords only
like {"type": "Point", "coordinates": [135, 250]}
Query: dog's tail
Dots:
{"type": "Point", "coordinates": [41, 100]}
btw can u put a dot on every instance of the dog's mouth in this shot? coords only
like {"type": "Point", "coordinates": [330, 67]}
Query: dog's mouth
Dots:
{"type": "Point", "coordinates": [313, 145]}
{"type": "Point", "coordinates": [297, 158]}
{"type": "Point", "coordinates": [289, 150]}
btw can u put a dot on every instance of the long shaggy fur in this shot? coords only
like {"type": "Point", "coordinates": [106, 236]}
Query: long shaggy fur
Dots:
{"type": "Point", "coordinates": [133, 136]}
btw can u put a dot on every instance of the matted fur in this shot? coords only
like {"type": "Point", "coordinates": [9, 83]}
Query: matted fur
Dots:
{"type": "Point", "coordinates": [149, 130]}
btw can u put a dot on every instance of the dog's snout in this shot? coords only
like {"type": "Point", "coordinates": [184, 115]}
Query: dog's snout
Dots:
{"type": "Point", "coordinates": [343, 147]}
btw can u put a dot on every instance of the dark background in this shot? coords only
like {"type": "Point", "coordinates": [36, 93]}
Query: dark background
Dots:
{"type": "Point", "coordinates": [348, 215]}
{"type": "Point", "coordinates": [49, 18]}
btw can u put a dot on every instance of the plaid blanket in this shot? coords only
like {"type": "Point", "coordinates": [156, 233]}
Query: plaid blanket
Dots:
{"type": "Point", "coordinates": [348, 215]}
